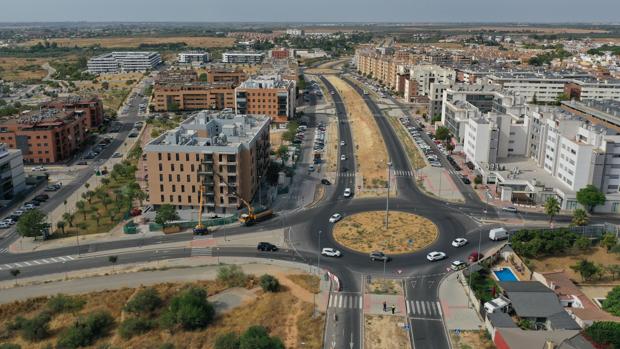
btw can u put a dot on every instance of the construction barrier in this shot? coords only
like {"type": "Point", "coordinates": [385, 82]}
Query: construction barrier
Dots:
{"type": "Point", "coordinates": [191, 224]}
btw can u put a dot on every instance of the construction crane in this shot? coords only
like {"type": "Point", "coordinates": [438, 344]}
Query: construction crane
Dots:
{"type": "Point", "coordinates": [200, 229]}
{"type": "Point", "coordinates": [252, 216]}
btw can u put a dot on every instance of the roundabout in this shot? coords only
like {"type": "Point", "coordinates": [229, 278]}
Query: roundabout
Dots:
{"type": "Point", "coordinates": [366, 232]}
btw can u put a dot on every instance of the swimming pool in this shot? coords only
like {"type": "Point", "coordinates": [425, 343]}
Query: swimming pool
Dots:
{"type": "Point", "coordinates": [505, 274]}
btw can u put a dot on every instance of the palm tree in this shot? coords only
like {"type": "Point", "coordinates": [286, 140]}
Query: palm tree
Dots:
{"type": "Point", "coordinates": [81, 206]}
{"type": "Point", "coordinates": [552, 208]}
{"type": "Point", "coordinates": [69, 218]}
{"type": "Point", "coordinates": [95, 217]}
{"type": "Point", "coordinates": [61, 225]}
{"type": "Point", "coordinates": [15, 272]}
{"type": "Point", "coordinates": [86, 185]}
{"type": "Point", "coordinates": [580, 217]}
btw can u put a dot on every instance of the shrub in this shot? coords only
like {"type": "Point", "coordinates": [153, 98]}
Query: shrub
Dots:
{"type": "Point", "coordinates": [611, 303]}
{"type": "Point", "coordinates": [190, 310]}
{"type": "Point", "coordinates": [10, 346]}
{"type": "Point", "coordinates": [605, 333]}
{"type": "Point", "coordinates": [85, 330]}
{"type": "Point", "coordinates": [134, 326]}
{"type": "Point", "coordinates": [144, 302]}
{"type": "Point", "coordinates": [227, 341]}
{"type": "Point", "coordinates": [256, 337]}
{"type": "Point", "coordinates": [231, 276]}
{"type": "Point", "coordinates": [269, 283]}
{"type": "Point", "coordinates": [36, 328]}
{"type": "Point", "coordinates": [64, 304]}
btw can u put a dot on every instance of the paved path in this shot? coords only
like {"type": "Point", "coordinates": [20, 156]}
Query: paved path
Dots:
{"type": "Point", "coordinates": [457, 312]}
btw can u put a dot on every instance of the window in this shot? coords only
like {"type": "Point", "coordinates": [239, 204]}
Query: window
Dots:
{"type": "Point", "coordinates": [172, 167]}
{"type": "Point", "coordinates": [161, 177]}
{"type": "Point", "coordinates": [182, 188]}
{"type": "Point", "coordinates": [161, 187]}
{"type": "Point", "coordinates": [181, 167]}
{"type": "Point", "coordinates": [174, 188]}
{"type": "Point", "coordinates": [186, 156]}
{"type": "Point", "coordinates": [169, 158]}
{"type": "Point", "coordinates": [176, 156]}
{"type": "Point", "coordinates": [162, 198]}
{"type": "Point", "coordinates": [169, 178]}
{"type": "Point", "coordinates": [188, 178]}
{"type": "Point", "coordinates": [159, 156]}
{"type": "Point", "coordinates": [178, 178]}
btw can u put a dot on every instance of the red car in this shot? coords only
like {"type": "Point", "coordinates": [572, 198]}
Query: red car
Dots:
{"type": "Point", "coordinates": [135, 212]}
{"type": "Point", "coordinates": [474, 256]}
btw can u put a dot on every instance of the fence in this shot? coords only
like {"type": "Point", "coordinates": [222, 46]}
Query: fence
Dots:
{"type": "Point", "coordinates": [591, 231]}
{"type": "Point", "coordinates": [191, 224]}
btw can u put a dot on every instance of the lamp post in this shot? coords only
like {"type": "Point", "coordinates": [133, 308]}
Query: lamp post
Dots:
{"type": "Point", "coordinates": [318, 263]}
{"type": "Point", "coordinates": [387, 203]}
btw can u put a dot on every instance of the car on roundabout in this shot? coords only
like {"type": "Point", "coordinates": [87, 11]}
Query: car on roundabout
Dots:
{"type": "Point", "coordinates": [435, 256]}
{"type": "Point", "coordinates": [330, 252]}
{"type": "Point", "coordinates": [459, 242]}
{"type": "Point", "coordinates": [335, 218]}
{"type": "Point", "coordinates": [379, 256]}
{"type": "Point", "coordinates": [458, 265]}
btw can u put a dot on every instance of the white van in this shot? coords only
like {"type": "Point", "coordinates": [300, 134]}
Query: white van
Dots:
{"type": "Point", "coordinates": [498, 234]}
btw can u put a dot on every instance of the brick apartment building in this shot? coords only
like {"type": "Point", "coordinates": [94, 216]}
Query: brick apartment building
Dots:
{"type": "Point", "coordinates": [92, 107]}
{"type": "Point", "coordinates": [281, 53]}
{"type": "Point", "coordinates": [215, 150]}
{"type": "Point", "coordinates": [226, 74]}
{"type": "Point", "coordinates": [267, 95]}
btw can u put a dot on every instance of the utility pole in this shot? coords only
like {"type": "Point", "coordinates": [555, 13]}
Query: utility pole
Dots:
{"type": "Point", "coordinates": [318, 263]}
{"type": "Point", "coordinates": [387, 203]}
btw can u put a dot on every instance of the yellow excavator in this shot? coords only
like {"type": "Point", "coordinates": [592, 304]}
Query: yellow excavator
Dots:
{"type": "Point", "coordinates": [200, 229]}
{"type": "Point", "coordinates": [252, 216]}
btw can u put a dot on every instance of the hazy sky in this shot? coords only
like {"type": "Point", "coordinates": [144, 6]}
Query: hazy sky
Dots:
{"type": "Point", "coordinates": [312, 10]}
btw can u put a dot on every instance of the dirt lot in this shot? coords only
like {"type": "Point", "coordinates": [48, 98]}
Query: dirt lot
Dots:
{"type": "Point", "coordinates": [266, 309]}
{"type": "Point", "coordinates": [385, 286]}
{"type": "Point", "coordinates": [597, 255]}
{"type": "Point", "coordinates": [119, 86]}
{"type": "Point", "coordinates": [545, 30]}
{"type": "Point", "coordinates": [275, 138]}
{"type": "Point", "coordinates": [471, 340]}
{"type": "Point", "coordinates": [198, 41]}
{"type": "Point", "coordinates": [20, 69]}
{"type": "Point", "coordinates": [384, 332]}
{"type": "Point", "coordinates": [370, 155]}
{"type": "Point", "coordinates": [365, 232]}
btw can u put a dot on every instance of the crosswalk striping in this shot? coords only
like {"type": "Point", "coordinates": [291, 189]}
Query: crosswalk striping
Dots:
{"type": "Point", "coordinates": [344, 301]}
{"type": "Point", "coordinates": [36, 262]}
{"type": "Point", "coordinates": [424, 308]}
{"type": "Point", "coordinates": [396, 173]}
{"type": "Point", "coordinates": [4, 250]}
{"type": "Point", "coordinates": [202, 251]}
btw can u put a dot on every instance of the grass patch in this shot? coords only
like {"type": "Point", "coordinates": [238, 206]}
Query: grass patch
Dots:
{"type": "Point", "coordinates": [310, 283]}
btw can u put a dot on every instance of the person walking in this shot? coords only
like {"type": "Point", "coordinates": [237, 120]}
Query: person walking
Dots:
{"type": "Point", "coordinates": [393, 309]}
{"type": "Point", "coordinates": [384, 306]}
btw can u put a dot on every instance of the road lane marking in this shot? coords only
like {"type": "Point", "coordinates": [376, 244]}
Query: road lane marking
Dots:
{"type": "Point", "coordinates": [71, 258]}
{"type": "Point", "coordinates": [331, 301]}
{"type": "Point", "coordinates": [417, 307]}
{"type": "Point", "coordinates": [407, 306]}
{"type": "Point", "coordinates": [17, 264]}
{"type": "Point", "coordinates": [439, 308]}
{"type": "Point", "coordinates": [37, 262]}
{"type": "Point", "coordinates": [45, 261]}
{"type": "Point", "coordinates": [424, 308]}
{"type": "Point", "coordinates": [62, 259]}
{"type": "Point", "coordinates": [361, 302]}
{"type": "Point", "coordinates": [27, 263]}
{"type": "Point", "coordinates": [340, 298]}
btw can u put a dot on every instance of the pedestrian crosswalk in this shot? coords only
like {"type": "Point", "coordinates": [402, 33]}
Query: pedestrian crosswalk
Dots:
{"type": "Point", "coordinates": [345, 174]}
{"type": "Point", "coordinates": [402, 173]}
{"type": "Point", "coordinates": [430, 309]}
{"type": "Point", "coordinates": [345, 301]}
{"type": "Point", "coordinates": [36, 262]}
{"type": "Point", "coordinates": [4, 250]}
{"type": "Point", "coordinates": [202, 251]}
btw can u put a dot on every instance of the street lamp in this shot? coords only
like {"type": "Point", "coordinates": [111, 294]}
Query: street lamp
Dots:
{"type": "Point", "coordinates": [318, 263]}
{"type": "Point", "coordinates": [387, 203]}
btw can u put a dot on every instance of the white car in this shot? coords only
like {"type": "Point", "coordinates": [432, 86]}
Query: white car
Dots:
{"type": "Point", "coordinates": [510, 209]}
{"type": "Point", "coordinates": [347, 192]}
{"type": "Point", "coordinates": [330, 252]}
{"type": "Point", "coordinates": [38, 168]}
{"type": "Point", "coordinates": [4, 225]}
{"type": "Point", "coordinates": [435, 256]}
{"type": "Point", "coordinates": [9, 221]}
{"type": "Point", "coordinates": [342, 143]}
{"type": "Point", "coordinates": [343, 157]}
{"type": "Point", "coordinates": [335, 218]}
{"type": "Point", "coordinates": [29, 207]}
{"type": "Point", "coordinates": [459, 242]}
{"type": "Point", "coordinates": [18, 213]}
{"type": "Point", "coordinates": [458, 265]}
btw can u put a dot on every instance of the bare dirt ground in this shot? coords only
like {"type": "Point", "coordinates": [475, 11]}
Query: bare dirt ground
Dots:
{"type": "Point", "coordinates": [545, 30]}
{"type": "Point", "coordinates": [119, 86]}
{"type": "Point", "coordinates": [370, 153]}
{"type": "Point", "coordinates": [598, 255]}
{"type": "Point", "coordinates": [21, 69]}
{"type": "Point", "coordinates": [365, 232]}
{"type": "Point", "coordinates": [385, 286]}
{"type": "Point", "coordinates": [384, 332]}
{"type": "Point", "coordinates": [116, 42]}
{"type": "Point", "coordinates": [471, 340]}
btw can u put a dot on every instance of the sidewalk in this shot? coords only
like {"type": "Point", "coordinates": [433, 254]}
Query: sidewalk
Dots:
{"type": "Point", "coordinates": [437, 181]}
{"type": "Point", "coordinates": [458, 314]}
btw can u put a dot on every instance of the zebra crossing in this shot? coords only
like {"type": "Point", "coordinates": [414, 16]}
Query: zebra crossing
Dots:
{"type": "Point", "coordinates": [202, 251]}
{"type": "Point", "coordinates": [426, 309]}
{"type": "Point", "coordinates": [402, 173]}
{"type": "Point", "coordinates": [36, 262]}
{"type": "Point", "coordinates": [345, 174]}
{"type": "Point", "coordinates": [4, 250]}
{"type": "Point", "coordinates": [345, 301]}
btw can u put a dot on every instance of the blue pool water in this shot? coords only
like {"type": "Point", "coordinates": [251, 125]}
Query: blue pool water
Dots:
{"type": "Point", "coordinates": [505, 274]}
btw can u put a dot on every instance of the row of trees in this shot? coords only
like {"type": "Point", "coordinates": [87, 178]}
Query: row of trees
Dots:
{"type": "Point", "coordinates": [588, 196]}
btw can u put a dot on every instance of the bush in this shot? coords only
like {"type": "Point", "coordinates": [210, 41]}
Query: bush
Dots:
{"type": "Point", "coordinates": [36, 328]}
{"type": "Point", "coordinates": [611, 304]}
{"type": "Point", "coordinates": [10, 346]}
{"type": "Point", "coordinates": [256, 337]}
{"type": "Point", "coordinates": [231, 276]}
{"type": "Point", "coordinates": [85, 330]}
{"type": "Point", "coordinates": [605, 333]}
{"type": "Point", "coordinates": [134, 326]}
{"type": "Point", "coordinates": [537, 243]}
{"type": "Point", "coordinates": [145, 301]}
{"type": "Point", "coordinates": [227, 341]}
{"type": "Point", "coordinates": [190, 310]}
{"type": "Point", "coordinates": [269, 283]}
{"type": "Point", "coordinates": [166, 346]}
{"type": "Point", "coordinates": [64, 304]}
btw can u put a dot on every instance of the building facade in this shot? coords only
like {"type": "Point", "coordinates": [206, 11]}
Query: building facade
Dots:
{"type": "Point", "coordinates": [171, 97]}
{"type": "Point", "coordinates": [91, 107]}
{"type": "Point", "coordinates": [194, 57]}
{"type": "Point", "coordinates": [242, 57]}
{"type": "Point", "coordinates": [12, 177]}
{"type": "Point", "coordinates": [219, 155]}
{"type": "Point", "coordinates": [267, 95]}
{"type": "Point", "coordinates": [120, 62]}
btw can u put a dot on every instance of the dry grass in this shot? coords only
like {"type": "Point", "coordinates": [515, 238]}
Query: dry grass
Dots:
{"type": "Point", "coordinates": [119, 42]}
{"type": "Point", "coordinates": [385, 286]}
{"type": "Point", "coordinates": [275, 138]}
{"type": "Point", "coordinates": [308, 282]}
{"type": "Point", "coordinates": [598, 255]}
{"type": "Point", "coordinates": [412, 150]}
{"type": "Point", "coordinates": [384, 332]}
{"type": "Point", "coordinates": [365, 232]}
{"type": "Point", "coordinates": [21, 69]}
{"type": "Point", "coordinates": [119, 86]}
{"type": "Point", "coordinates": [524, 29]}
{"type": "Point", "coordinates": [370, 152]}
{"type": "Point", "coordinates": [471, 340]}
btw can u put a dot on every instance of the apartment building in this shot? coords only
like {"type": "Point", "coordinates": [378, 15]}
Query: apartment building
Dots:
{"type": "Point", "coordinates": [280, 53]}
{"type": "Point", "coordinates": [601, 112]}
{"type": "Point", "coordinates": [90, 107]}
{"type": "Point", "coordinates": [267, 95]}
{"type": "Point", "coordinates": [120, 62]}
{"type": "Point", "coordinates": [171, 97]}
{"type": "Point", "coordinates": [194, 57]}
{"type": "Point", "coordinates": [223, 153]}
{"type": "Point", "coordinates": [216, 73]}
{"type": "Point", "coordinates": [383, 67]}
{"type": "Point", "coordinates": [295, 32]}
{"type": "Point", "coordinates": [12, 177]}
{"type": "Point", "coordinates": [243, 57]}
{"type": "Point", "coordinates": [46, 136]}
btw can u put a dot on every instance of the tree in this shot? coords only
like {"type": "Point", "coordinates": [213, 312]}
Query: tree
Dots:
{"type": "Point", "coordinates": [609, 241]}
{"type": "Point", "coordinates": [228, 340]}
{"type": "Point", "coordinates": [113, 260]}
{"type": "Point", "coordinates": [15, 273]}
{"type": "Point", "coordinates": [436, 118]}
{"type": "Point", "coordinates": [165, 214]}
{"type": "Point", "coordinates": [105, 85]}
{"type": "Point", "coordinates": [442, 133]}
{"type": "Point", "coordinates": [582, 243]}
{"type": "Point", "coordinates": [269, 283]}
{"type": "Point", "coordinates": [231, 275]}
{"type": "Point", "coordinates": [203, 77]}
{"type": "Point", "coordinates": [68, 217]}
{"type": "Point", "coordinates": [256, 337]}
{"type": "Point", "coordinates": [552, 207]}
{"type": "Point", "coordinates": [36, 328]}
{"type": "Point", "coordinates": [32, 224]}
{"type": "Point", "coordinates": [190, 310]}
{"type": "Point", "coordinates": [85, 330]}
{"type": "Point", "coordinates": [590, 197]}
{"type": "Point", "coordinates": [611, 304]}
{"type": "Point", "coordinates": [61, 226]}
{"type": "Point", "coordinates": [145, 302]}
{"type": "Point", "coordinates": [273, 173]}
{"type": "Point", "coordinates": [134, 326]}
{"type": "Point", "coordinates": [282, 150]}
{"type": "Point", "coordinates": [81, 206]}
{"type": "Point", "coordinates": [585, 268]}
{"type": "Point", "coordinates": [605, 333]}
{"type": "Point", "coordinates": [580, 217]}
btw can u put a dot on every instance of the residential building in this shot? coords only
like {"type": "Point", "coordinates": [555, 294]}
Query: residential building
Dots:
{"type": "Point", "coordinates": [217, 73]}
{"type": "Point", "coordinates": [267, 95]}
{"type": "Point", "coordinates": [195, 95]}
{"type": "Point", "coordinates": [217, 154]}
{"type": "Point", "coordinates": [295, 32]}
{"type": "Point", "coordinates": [120, 62]}
{"type": "Point", "coordinates": [194, 57]}
{"type": "Point", "coordinates": [91, 107]}
{"type": "Point", "coordinates": [243, 57]}
{"type": "Point", "coordinates": [12, 177]}
{"type": "Point", "coordinates": [600, 112]}
{"type": "Point", "coordinates": [280, 53]}
{"type": "Point", "coordinates": [432, 81]}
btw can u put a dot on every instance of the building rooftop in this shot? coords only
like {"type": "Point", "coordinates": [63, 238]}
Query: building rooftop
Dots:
{"type": "Point", "coordinates": [265, 81]}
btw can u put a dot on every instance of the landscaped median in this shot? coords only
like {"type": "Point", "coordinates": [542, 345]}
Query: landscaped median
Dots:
{"type": "Point", "coordinates": [365, 232]}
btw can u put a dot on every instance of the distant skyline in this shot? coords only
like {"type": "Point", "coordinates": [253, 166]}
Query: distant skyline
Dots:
{"type": "Point", "coordinates": [539, 11]}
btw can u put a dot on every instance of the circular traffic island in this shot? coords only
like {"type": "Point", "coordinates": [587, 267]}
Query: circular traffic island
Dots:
{"type": "Point", "coordinates": [365, 232]}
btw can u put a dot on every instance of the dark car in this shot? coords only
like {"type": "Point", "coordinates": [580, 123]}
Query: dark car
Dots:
{"type": "Point", "coordinates": [81, 162]}
{"type": "Point", "coordinates": [325, 181]}
{"type": "Point", "coordinates": [41, 197]}
{"type": "Point", "coordinates": [266, 246]}
{"type": "Point", "coordinates": [378, 256]}
{"type": "Point", "coordinates": [34, 203]}
{"type": "Point", "coordinates": [465, 180]}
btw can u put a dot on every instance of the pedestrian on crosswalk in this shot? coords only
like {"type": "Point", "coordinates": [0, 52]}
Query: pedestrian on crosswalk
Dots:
{"type": "Point", "coordinates": [384, 306]}
{"type": "Point", "coordinates": [393, 309]}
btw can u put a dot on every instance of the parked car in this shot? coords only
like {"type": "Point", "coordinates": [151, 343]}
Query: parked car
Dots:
{"type": "Point", "coordinates": [335, 218]}
{"type": "Point", "coordinates": [459, 242]}
{"type": "Point", "coordinates": [325, 181]}
{"type": "Point", "coordinates": [435, 256]}
{"type": "Point", "coordinates": [117, 155]}
{"type": "Point", "coordinates": [41, 197]}
{"type": "Point", "coordinates": [18, 213]}
{"type": "Point", "coordinates": [510, 209]}
{"type": "Point", "coordinates": [53, 187]}
{"type": "Point", "coordinates": [379, 256]}
{"type": "Point", "coordinates": [347, 192]}
{"type": "Point", "coordinates": [135, 212]}
{"type": "Point", "coordinates": [474, 256]}
{"type": "Point", "coordinates": [266, 246]}
{"type": "Point", "coordinates": [343, 157]}
{"type": "Point", "coordinates": [9, 221]}
{"type": "Point", "coordinates": [330, 252]}
{"type": "Point", "coordinates": [82, 163]}
{"type": "Point", "coordinates": [4, 225]}
{"type": "Point", "coordinates": [39, 168]}
{"type": "Point", "coordinates": [465, 180]}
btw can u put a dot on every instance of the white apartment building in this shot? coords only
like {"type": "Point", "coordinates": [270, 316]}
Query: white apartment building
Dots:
{"type": "Point", "coordinates": [431, 81]}
{"type": "Point", "coordinates": [117, 62]}
{"type": "Point", "coordinates": [295, 32]}
{"type": "Point", "coordinates": [12, 177]}
{"type": "Point", "coordinates": [194, 57]}
{"type": "Point", "coordinates": [243, 57]}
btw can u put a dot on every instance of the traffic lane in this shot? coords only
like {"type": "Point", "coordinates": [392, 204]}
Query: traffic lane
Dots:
{"type": "Point", "coordinates": [429, 334]}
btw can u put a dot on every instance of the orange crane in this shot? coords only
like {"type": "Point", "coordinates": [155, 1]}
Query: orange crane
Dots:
{"type": "Point", "coordinates": [200, 229]}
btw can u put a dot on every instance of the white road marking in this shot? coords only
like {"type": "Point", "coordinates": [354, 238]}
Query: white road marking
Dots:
{"type": "Point", "coordinates": [439, 308]}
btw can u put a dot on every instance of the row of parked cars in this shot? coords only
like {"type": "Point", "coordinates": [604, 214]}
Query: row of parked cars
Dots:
{"type": "Point", "coordinates": [30, 205]}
